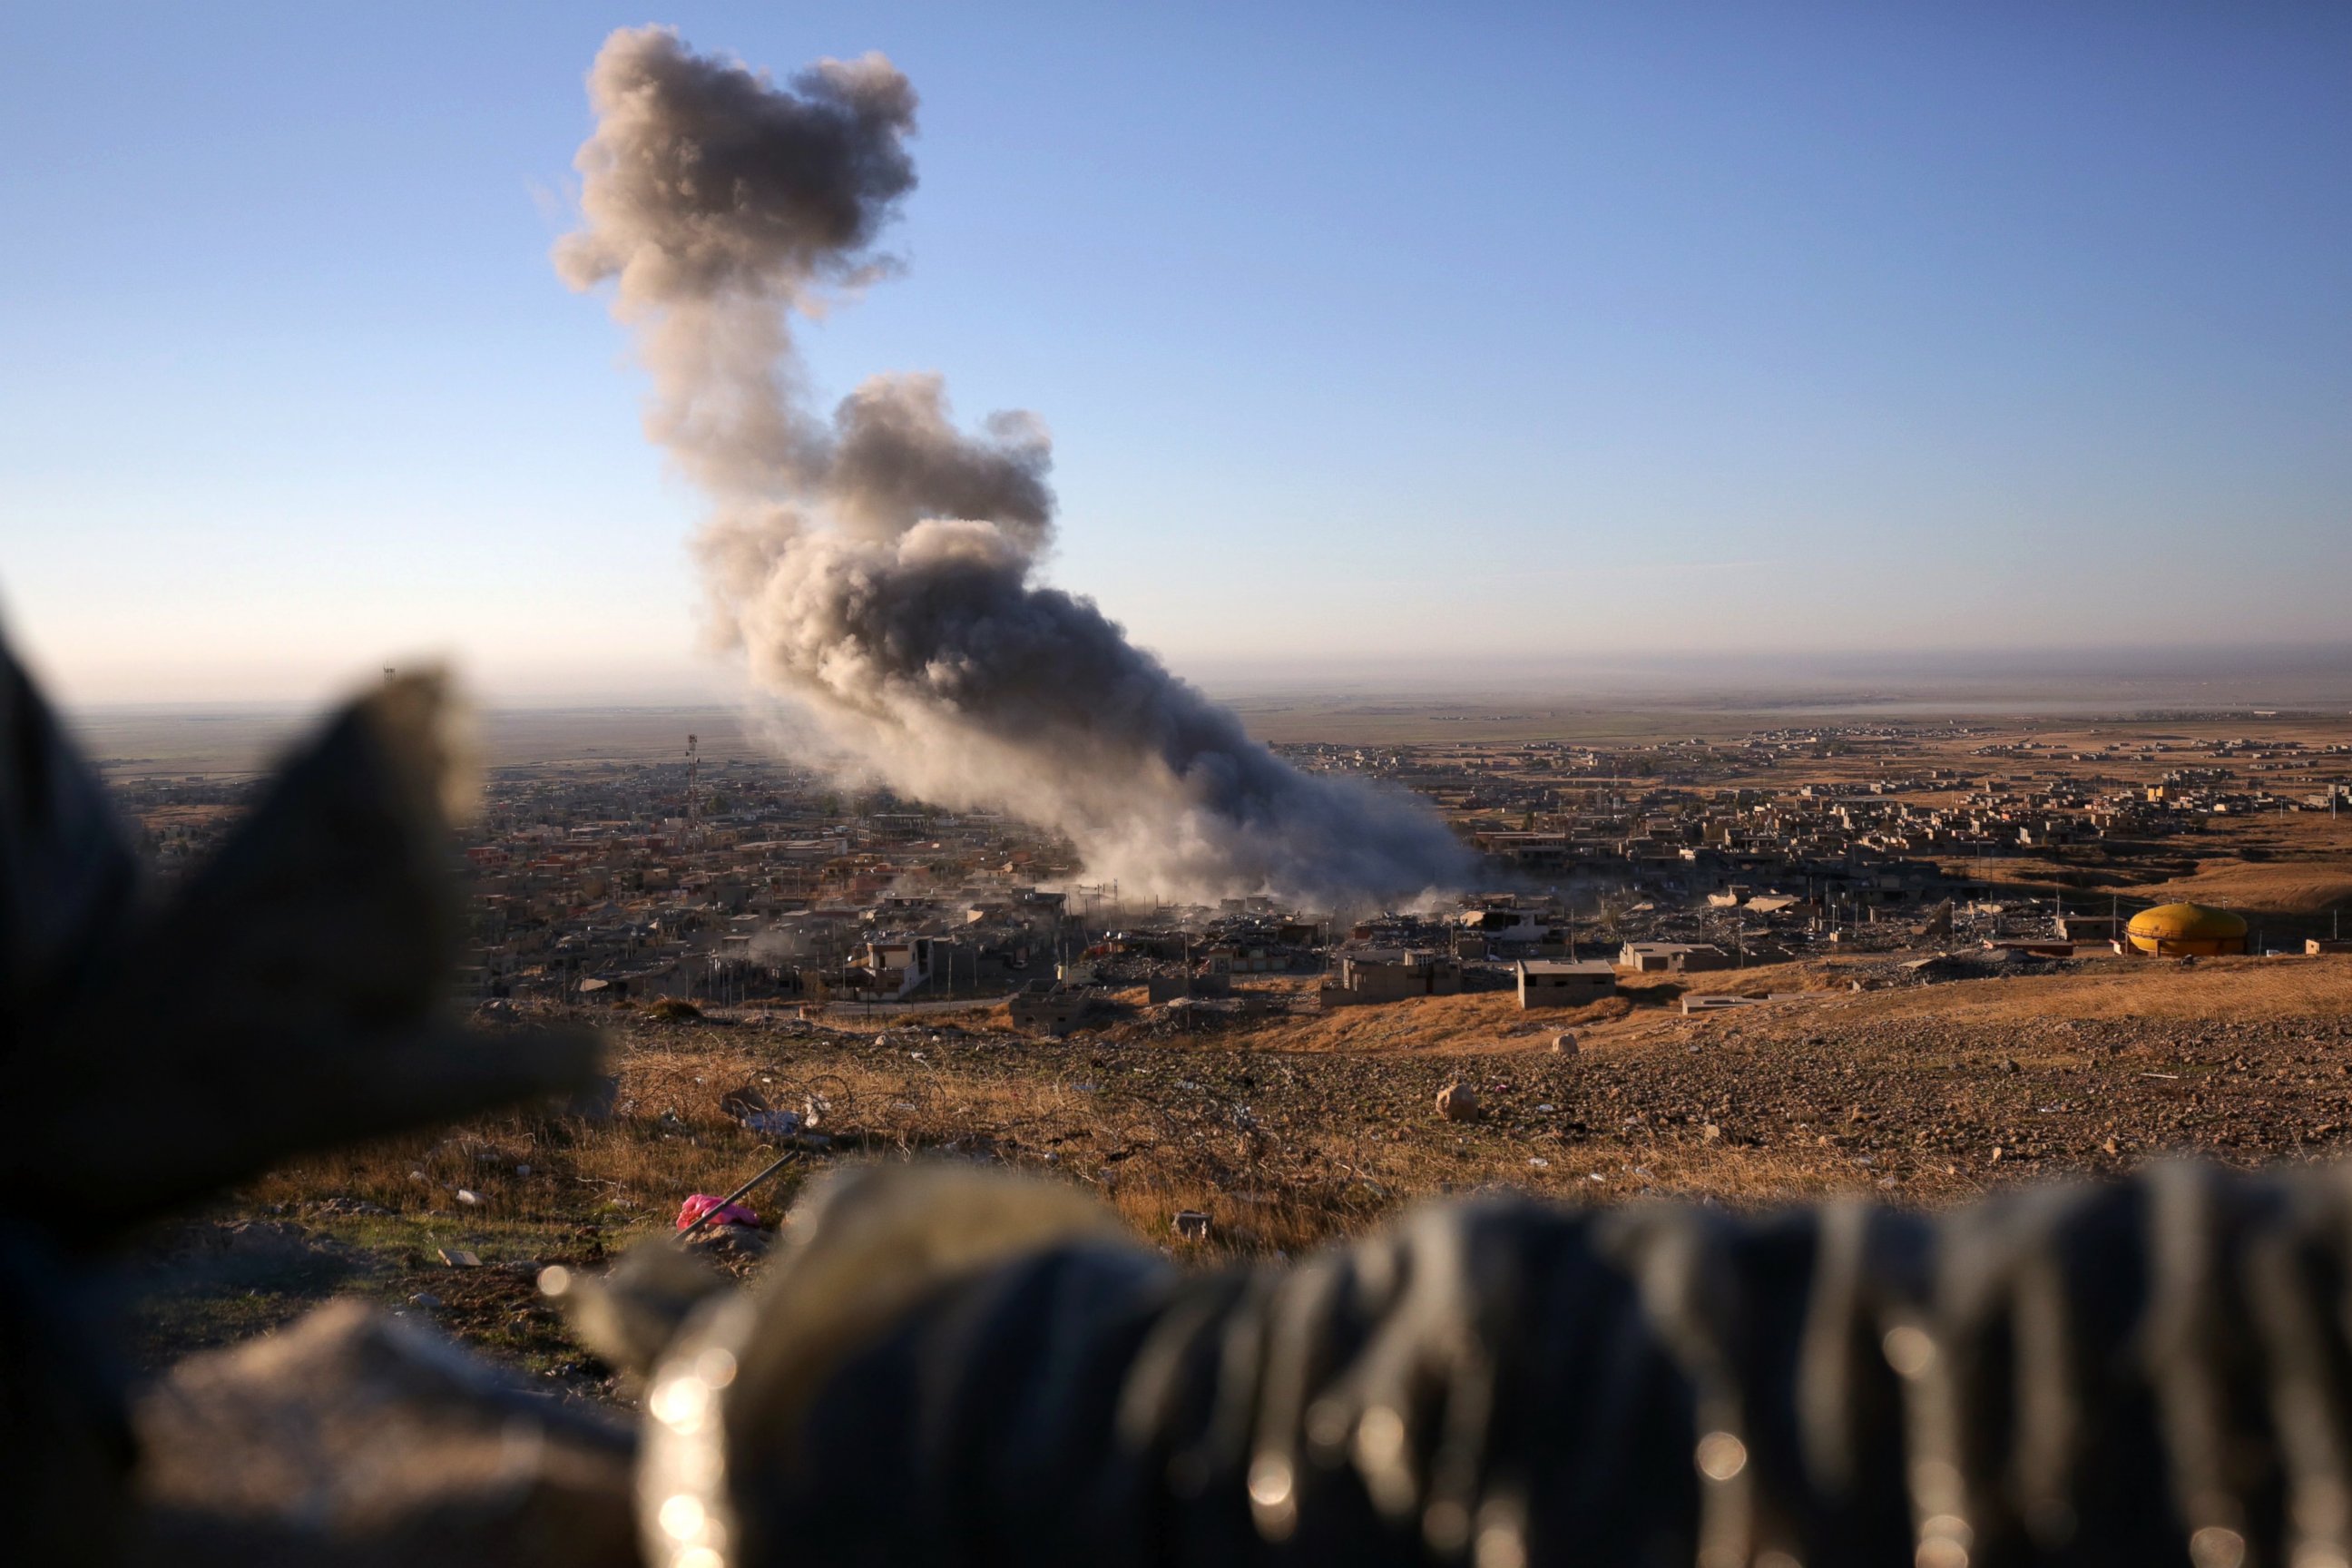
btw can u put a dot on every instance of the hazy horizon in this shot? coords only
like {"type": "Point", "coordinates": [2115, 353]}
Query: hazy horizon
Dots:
{"type": "Point", "coordinates": [2118, 679]}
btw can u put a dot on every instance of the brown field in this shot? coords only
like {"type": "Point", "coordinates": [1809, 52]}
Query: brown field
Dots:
{"type": "Point", "coordinates": [2292, 887]}
{"type": "Point", "coordinates": [1290, 1131]}
{"type": "Point", "coordinates": [1291, 1127]}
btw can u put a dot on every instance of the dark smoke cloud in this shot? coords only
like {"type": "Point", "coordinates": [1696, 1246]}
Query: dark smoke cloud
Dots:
{"type": "Point", "coordinates": [704, 178]}
{"type": "Point", "coordinates": [878, 567]}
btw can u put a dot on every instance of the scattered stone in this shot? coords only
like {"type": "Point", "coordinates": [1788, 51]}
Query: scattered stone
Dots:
{"type": "Point", "coordinates": [471, 1199]}
{"type": "Point", "coordinates": [459, 1258]}
{"type": "Point", "coordinates": [1457, 1102]}
{"type": "Point", "coordinates": [424, 1299]}
{"type": "Point", "coordinates": [725, 1242]}
{"type": "Point", "coordinates": [1564, 1044]}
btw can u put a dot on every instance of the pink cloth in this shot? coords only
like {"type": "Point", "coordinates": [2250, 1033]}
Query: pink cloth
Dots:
{"type": "Point", "coordinates": [701, 1204]}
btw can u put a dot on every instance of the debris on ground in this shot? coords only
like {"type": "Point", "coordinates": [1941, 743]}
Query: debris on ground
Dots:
{"type": "Point", "coordinates": [692, 1211]}
{"type": "Point", "coordinates": [1457, 1102]}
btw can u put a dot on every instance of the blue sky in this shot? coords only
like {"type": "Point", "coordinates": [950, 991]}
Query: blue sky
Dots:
{"type": "Point", "coordinates": [1526, 333]}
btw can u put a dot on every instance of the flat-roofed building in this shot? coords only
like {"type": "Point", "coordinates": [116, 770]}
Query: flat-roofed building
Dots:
{"type": "Point", "coordinates": [1560, 983]}
{"type": "Point", "coordinates": [1672, 957]}
{"type": "Point", "coordinates": [1373, 976]}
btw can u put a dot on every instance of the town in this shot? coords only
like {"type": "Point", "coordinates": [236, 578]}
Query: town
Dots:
{"type": "Point", "coordinates": [1942, 849]}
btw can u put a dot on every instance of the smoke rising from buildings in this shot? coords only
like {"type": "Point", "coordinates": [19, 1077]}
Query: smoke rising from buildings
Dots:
{"type": "Point", "coordinates": [878, 565]}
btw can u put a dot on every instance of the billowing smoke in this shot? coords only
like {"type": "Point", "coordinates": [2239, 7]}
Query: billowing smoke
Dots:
{"type": "Point", "coordinates": [878, 567]}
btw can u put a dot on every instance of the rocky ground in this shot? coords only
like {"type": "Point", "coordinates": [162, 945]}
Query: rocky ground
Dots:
{"type": "Point", "coordinates": [1287, 1130]}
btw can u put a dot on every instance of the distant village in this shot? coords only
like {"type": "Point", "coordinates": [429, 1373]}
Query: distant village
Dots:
{"type": "Point", "coordinates": [748, 882]}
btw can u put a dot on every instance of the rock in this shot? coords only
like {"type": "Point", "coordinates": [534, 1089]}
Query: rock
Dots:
{"type": "Point", "coordinates": [1709, 1132]}
{"type": "Point", "coordinates": [1191, 1225]}
{"type": "Point", "coordinates": [424, 1299]}
{"type": "Point", "coordinates": [1564, 1044]}
{"type": "Point", "coordinates": [459, 1258]}
{"type": "Point", "coordinates": [353, 1436]}
{"type": "Point", "coordinates": [723, 1242]}
{"type": "Point", "coordinates": [1457, 1102]}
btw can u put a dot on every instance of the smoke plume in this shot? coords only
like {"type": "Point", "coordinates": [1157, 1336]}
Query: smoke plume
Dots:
{"type": "Point", "coordinates": [879, 566]}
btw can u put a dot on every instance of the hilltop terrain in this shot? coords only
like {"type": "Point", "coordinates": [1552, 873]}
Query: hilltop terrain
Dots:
{"type": "Point", "coordinates": [1288, 1130]}
{"type": "Point", "coordinates": [613, 876]}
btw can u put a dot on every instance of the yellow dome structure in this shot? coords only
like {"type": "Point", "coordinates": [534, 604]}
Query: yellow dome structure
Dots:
{"type": "Point", "coordinates": [2187, 931]}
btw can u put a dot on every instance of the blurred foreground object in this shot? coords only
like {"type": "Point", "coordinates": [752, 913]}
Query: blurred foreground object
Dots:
{"type": "Point", "coordinates": [355, 1437]}
{"type": "Point", "coordinates": [289, 998]}
{"type": "Point", "coordinates": [949, 1367]}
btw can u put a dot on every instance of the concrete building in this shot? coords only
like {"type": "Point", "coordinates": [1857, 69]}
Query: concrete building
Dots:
{"type": "Point", "coordinates": [1373, 976]}
{"type": "Point", "coordinates": [1047, 1006]}
{"type": "Point", "coordinates": [1556, 983]}
{"type": "Point", "coordinates": [1672, 957]}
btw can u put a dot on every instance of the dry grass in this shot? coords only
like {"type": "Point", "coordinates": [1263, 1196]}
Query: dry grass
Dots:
{"type": "Point", "coordinates": [1162, 1142]}
{"type": "Point", "coordinates": [1291, 1131]}
{"type": "Point", "coordinates": [1482, 1021]}
{"type": "Point", "coordinates": [2289, 887]}
{"type": "Point", "coordinates": [2212, 990]}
